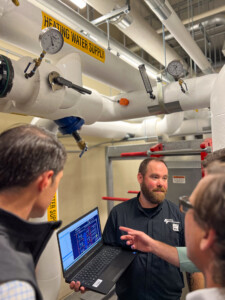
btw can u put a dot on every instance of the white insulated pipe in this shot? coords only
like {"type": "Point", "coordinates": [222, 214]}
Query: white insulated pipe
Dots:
{"type": "Point", "coordinates": [169, 18]}
{"type": "Point", "coordinates": [217, 104]}
{"type": "Point", "coordinates": [37, 98]}
{"type": "Point", "coordinates": [150, 127]}
{"type": "Point", "coordinates": [139, 30]}
{"type": "Point", "coordinates": [201, 16]}
{"type": "Point", "coordinates": [15, 29]}
{"type": "Point", "coordinates": [28, 15]}
{"type": "Point", "coordinates": [193, 126]}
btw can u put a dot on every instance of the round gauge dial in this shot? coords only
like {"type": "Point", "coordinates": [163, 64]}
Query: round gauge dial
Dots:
{"type": "Point", "coordinates": [51, 40]}
{"type": "Point", "coordinates": [175, 68]}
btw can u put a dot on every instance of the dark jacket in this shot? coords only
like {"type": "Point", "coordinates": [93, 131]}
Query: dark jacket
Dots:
{"type": "Point", "coordinates": [21, 244]}
{"type": "Point", "coordinates": [148, 277]}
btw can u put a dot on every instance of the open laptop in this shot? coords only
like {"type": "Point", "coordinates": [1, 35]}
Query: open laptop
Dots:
{"type": "Point", "coordinates": [83, 254]}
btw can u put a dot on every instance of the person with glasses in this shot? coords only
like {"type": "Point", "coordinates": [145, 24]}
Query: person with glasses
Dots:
{"type": "Point", "coordinates": [205, 235]}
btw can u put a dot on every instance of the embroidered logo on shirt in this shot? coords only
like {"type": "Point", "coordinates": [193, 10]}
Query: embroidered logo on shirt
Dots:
{"type": "Point", "coordinates": [175, 224]}
{"type": "Point", "coordinates": [170, 221]}
{"type": "Point", "coordinates": [175, 227]}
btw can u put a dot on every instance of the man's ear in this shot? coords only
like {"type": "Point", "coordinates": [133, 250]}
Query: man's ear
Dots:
{"type": "Point", "coordinates": [208, 239]}
{"type": "Point", "coordinates": [45, 180]}
{"type": "Point", "coordinates": [140, 178]}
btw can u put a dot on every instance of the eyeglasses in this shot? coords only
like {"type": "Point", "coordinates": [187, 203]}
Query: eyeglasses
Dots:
{"type": "Point", "coordinates": [184, 204]}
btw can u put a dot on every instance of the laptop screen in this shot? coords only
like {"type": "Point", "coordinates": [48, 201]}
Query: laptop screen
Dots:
{"type": "Point", "coordinates": [78, 238]}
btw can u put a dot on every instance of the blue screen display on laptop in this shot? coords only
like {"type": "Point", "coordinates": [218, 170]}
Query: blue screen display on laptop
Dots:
{"type": "Point", "coordinates": [79, 238]}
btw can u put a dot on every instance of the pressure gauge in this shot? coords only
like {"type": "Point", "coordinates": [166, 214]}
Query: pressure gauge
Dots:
{"type": "Point", "coordinates": [176, 69]}
{"type": "Point", "coordinates": [51, 40]}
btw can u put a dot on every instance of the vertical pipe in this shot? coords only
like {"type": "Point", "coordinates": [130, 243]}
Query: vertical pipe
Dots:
{"type": "Point", "coordinates": [88, 12]}
{"type": "Point", "coordinates": [109, 180]}
{"type": "Point", "coordinates": [108, 34]}
{"type": "Point", "coordinates": [205, 44]}
{"type": "Point", "coordinates": [215, 56]}
{"type": "Point", "coordinates": [164, 45]}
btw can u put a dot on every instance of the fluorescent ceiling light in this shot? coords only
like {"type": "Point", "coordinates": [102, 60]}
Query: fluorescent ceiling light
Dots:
{"type": "Point", "coordinates": [80, 3]}
{"type": "Point", "coordinates": [89, 35]}
{"type": "Point", "coordinates": [129, 60]}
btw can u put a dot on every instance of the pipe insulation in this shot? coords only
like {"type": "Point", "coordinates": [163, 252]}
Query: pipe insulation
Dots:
{"type": "Point", "coordinates": [218, 111]}
{"type": "Point", "coordinates": [215, 21]}
{"type": "Point", "coordinates": [193, 126]}
{"type": "Point", "coordinates": [37, 98]}
{"type": "Point", "coordinates": [13, 29]}
{"type": "Point", "coordinates": [14, 24]}
{"type": "Point", "coordinates": [169, 18]}
{"type": "Point", "coordinates": [201, 16]}
{"type": "Point", "coordinates": [151, 127]}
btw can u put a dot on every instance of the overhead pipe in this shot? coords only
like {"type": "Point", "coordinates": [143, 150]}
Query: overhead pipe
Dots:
{"type": "Point", "coordinates": [37, 98]}
{"type": "Point", "coordinates": [193, 127]}
{"type": "Point", "coordinates": [214, 21]}
{"type": "Point", "coordinates": [169, 18]}
{"type": "Point", "coordinates": [150, 127]}
{"type": "Point", "coordinates": [139, 30]}
{"type": "Point", "coordinates": [14, 24]}
{"type": "Point", "coordinates": [202, 16]}
{"type": "Point", "coordinates": [75, 21]}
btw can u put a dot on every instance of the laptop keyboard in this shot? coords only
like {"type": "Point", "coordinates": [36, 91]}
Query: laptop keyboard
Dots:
{"type": "Point", "coordinates": [91, 271]}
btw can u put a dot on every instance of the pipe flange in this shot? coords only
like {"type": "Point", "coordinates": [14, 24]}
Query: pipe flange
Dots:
{"type": "Point", "coordinates": [6, 76]}
{"type": "Point", "coordinates": [53, 84]}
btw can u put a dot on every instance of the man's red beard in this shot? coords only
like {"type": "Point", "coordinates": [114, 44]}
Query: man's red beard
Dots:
{"type": "Point", "coordinates": [156, 196]}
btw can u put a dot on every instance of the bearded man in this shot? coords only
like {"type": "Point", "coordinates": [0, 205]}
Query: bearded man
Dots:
{"type": "Point", "coordinates": [149, 277]}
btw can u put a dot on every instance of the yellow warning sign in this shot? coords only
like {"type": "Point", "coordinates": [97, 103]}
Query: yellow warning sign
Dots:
{"type": "Point", "coordinates": [52, 210]}
{"type": "Point", "coordinates": [73, 38]}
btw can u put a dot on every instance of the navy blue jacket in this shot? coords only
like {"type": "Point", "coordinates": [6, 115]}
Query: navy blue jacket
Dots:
{"type": "Point", "coordinates": [148, 277]}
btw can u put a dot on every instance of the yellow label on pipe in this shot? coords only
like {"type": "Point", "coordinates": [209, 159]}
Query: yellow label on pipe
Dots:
{"type": "Point", "coordinates": [52, 209]}
{"type": "Point", "coordinates": [73, 38]}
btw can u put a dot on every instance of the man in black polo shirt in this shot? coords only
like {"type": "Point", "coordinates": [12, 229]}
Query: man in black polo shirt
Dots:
{"type": "Point", "coordinates": [149, 277]}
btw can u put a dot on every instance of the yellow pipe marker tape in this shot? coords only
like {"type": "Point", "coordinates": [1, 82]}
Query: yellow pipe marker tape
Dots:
{"type": "Point", "coordinates": [52, 209]}
{"type": "Point", "coordinates": [73, 38]}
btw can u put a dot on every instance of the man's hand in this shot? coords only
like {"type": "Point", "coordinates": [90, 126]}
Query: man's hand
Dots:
{"type": "Point", "coordinates": [142, 242]}
{"type": "Point", "coordinates": [137, 239]}
{"type": "Point", "coordinates": [77, 287]}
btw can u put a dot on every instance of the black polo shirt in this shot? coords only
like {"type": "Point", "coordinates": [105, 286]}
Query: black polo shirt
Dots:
{"type": "Point", "coordinates": [148, 277]}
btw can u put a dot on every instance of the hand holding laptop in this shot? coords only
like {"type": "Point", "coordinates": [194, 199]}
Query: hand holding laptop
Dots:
{"type": "Point", "coordinates": [76, 286]}
{"type": "Point", "coordinates": [86, 261]}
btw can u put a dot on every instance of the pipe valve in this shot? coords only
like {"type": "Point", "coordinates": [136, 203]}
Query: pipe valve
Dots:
{"type": "Point", "coordinates": [81, 143]}
{"type": "Point", "coordinates": [71, 125]}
